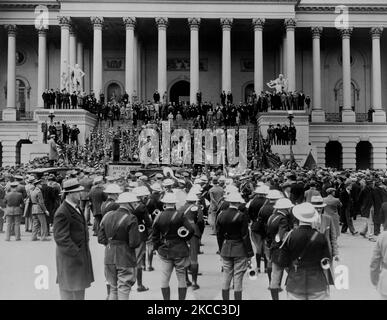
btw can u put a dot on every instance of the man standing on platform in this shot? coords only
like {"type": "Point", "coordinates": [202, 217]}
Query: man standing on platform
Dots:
{"type": "Point", "coordinates": [53, 151]}
{"type": "Point", "coordinates": [73, 258]}
{"type": "Point", "coordinates": [44, 131]}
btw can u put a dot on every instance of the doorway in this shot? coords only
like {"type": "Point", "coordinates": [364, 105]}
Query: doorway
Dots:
{"type": "Point", "coordinates": [179, 92]}
{"type": "Point", "coordinates": [363, 155]}
{"type": "Point", "coordinates": [334, 155]}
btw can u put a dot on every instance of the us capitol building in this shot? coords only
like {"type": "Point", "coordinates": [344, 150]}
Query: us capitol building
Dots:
{"type": "Point", "coordinates": [141, 46]}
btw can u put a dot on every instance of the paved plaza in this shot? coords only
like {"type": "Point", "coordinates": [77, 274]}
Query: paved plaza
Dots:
{"type": "Point", "coordinates": [19, 260]}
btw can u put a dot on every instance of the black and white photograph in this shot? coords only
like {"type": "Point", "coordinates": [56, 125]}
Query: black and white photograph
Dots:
{"type": "Point", "coordinates": [208, 150]}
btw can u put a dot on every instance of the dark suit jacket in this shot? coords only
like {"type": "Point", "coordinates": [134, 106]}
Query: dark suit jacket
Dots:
{"type": "Point", "coordinates": [73, 258]}
{"type": "Point", "coordinates": [97, 197]}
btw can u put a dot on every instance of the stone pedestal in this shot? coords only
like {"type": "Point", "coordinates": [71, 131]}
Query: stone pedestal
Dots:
{"type": "Point", "coordinates": [379, 116]}
{"type": "Point", "coordinates": [9, 114]}
{"type": "Point", "coordinates": [84, 120]}
{"type": "Point", "coordinates": [318, 116]}
{"type": "Point", "coordinates": [348, 116]}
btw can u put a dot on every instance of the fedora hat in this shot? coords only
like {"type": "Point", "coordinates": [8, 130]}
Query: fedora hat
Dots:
{"type": "Point", "coordinates": [97, 179]}
{"type": "Point", "coordinates": [317, 202]}
{"type": "Point", "coordinates": [113, 188]}
{"type": "Point", "coordinates": [72, 185]}
{"type": "Point", "coordinates": [138, 174]}
{"type": "Point", "coordinates": [330, 190]}
{"type": "Point", "coordinates": [283, 203]}
{"type": "Point", "coordinates": [169, 198]}
{"type": "Point", "coordinates": [127, 197]}
{"type": "Point", "coordinates": [305, 212]}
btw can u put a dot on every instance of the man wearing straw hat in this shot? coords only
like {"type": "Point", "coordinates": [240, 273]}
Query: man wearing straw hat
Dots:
{"type": "Point", "coordinates": [195, 216]}
{"type": "Point", "coordinates": [303, 252]}
{"type": "Point", "coordinates": [278, 225]}
{"type": "Point", "coordinates": [234, 245]}
{"type": "Point", "coordinates": [73, 258]}
{"type": "Point", "coordinates": [119, 233]}
{"type": "Point", "coordinates": [254, 208]}
{"type": "Point", "coordinates": [171, 246]}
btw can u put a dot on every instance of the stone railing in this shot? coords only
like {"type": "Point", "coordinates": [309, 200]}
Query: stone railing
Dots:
{"type": "Point", "coordinates": [333, 117]}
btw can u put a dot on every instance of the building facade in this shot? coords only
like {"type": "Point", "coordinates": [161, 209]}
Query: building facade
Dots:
{"type": "Point", "coordinates": [336, 54]}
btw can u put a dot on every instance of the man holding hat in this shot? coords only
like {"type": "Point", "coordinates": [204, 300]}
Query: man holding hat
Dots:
{"type": "Point", "coordinates": [39, 213]}
{"type": "Point", "coordinates": [73, 258]}
{"type": "Point", "coordinates": [303, 252]}
{"type": "Point", "coordinates": [172, 248]}
{"type": "Point", "coordinates": [120, 235]}
{"type": "Point", "coordinates": [234, 245]}
{"type": "Point", "coordinates": [13, 201]}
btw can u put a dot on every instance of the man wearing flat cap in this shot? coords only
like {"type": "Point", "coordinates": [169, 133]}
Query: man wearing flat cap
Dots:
{"type": "Point", "coordinates": [73, 258]}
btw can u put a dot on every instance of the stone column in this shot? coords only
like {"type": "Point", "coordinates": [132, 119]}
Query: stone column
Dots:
{"type": "Point", "coordinates": [226, 24]}
{"type": "Point", "coordinates": [130, 24]}
{"type": "Point", "coordinates": [80, 60]}
{"type": "Point", "coordinates": [97, 55]}
{"type": "Point", "coordinates": [162, 24]}
{"type": "Point", "coordinates": [64, 51]}
{"type": "Point", "coordinates": [379, 115]}
{"type": "Point", "coordinates": [347, 115]}
{"type": "Point", "coordinates": [42, 65]}
{"type": "Point", "coordinates": [72, 47]}
{"type": "Point", "coordinates": [9, 114]}
{"type": "Point", "coordinates": [194, 24]}
{"type": "Point", "coordinates": [318, 114]}
{"type": "Point", "coordinates": [290, 25]}
{"type": "Point", "coordinates": [258, 54]}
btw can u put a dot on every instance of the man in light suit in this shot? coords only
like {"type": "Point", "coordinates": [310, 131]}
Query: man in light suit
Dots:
{"type": "Point", "coordinates": [332, 208]}
{"type": "Point", "coordinates": [53, 152]}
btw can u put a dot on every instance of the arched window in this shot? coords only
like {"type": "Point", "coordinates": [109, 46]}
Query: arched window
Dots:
{"type": "Point", "coordinates": [339, 95]}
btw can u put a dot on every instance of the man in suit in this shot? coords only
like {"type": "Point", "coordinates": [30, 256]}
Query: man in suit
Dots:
{"type": "Point", "coordinates": [232, 230]}
{"type": "Point", "coordinates": [65, 132]}
{"type": "Point", "coordinates": [378, 265]}
{"type": "Point", "coordinates": [120, 234]}
{"type": "Point", "coordinates": [229, 97]}
{"type": "Point", "coordinates": [73, 258]}
{"type": "Point", "coordinates": [44, 131]}
{"type": "Point", "coordinates": [53, 155]}
{"type": "Point", "coordinates": [332, 208]}
{"type": "Point", "coordinates": [379, 195]}
{"type": "Point", "coordinates": [156, 97]}
{"type": "Point", "coordinates": [346, 200]}
{"type": "Point", "coordinates": [97, 197]}
{"type": "Point", "coordinates": [13, 201]}
{"type": "Point", "coordinates": [223, 98]}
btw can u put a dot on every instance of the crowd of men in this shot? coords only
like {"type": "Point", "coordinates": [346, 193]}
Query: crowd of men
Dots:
{"type": "Point", "coordinates": [282, 134]}
{"type": "Point", "coordinates": [287, 219]}
{"type": "Point", "coordinates": [62, 131]}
